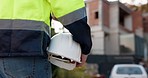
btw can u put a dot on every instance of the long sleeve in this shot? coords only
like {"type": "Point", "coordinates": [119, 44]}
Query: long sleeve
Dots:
{"type": "Point", "coordinates": [72, 14]}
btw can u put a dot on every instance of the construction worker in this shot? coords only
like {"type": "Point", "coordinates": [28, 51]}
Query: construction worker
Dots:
{"type": "Point", "coordinates": [25, 35]}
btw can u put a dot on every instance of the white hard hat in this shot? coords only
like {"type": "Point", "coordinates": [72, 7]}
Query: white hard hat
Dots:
{"type": "Point", "coordinates": [63, 51]}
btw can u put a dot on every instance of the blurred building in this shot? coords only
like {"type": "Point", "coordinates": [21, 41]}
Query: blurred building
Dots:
{"type": "Point", "coordinates": [145, 24]}
{"type": "Point", "coordinates": [117, 33]}
{"type": "Point", "coordinates": [111, 23]}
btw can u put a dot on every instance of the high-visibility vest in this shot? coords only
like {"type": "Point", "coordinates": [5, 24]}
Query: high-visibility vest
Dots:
{"type": "Point", "coordinates": [24, 24]}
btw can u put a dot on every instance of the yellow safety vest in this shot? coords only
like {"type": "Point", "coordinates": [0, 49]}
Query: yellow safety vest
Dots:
{"type": "Point", "coordinates": [24, 24]}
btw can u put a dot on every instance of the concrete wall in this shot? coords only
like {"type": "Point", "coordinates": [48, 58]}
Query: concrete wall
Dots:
{"type": "Point", "coordinates": [127, 43]}
{"type": "Point", "coordinates": [98, 41]}
{"type": "Point", "coordinates": [128, 22]}
{"type": "Point", "coordinates": [114, 30]}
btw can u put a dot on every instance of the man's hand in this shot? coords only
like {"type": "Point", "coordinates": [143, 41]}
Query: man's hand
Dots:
{"type": "Point", "coordinates": [83, 60]}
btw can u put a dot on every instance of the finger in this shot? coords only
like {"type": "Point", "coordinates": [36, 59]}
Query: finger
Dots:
{"type": "Point", "coordinates": [80, 64]}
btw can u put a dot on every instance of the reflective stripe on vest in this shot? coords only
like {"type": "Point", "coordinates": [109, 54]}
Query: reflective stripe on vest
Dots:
{"type": "Point", "coordinates": [69, 12]}
{"type": "Point", "coordinates": [63, 7]}
{"type": "Point", "coordinates": [6, 24]}
{"type": "Point", "coordinates": [23, 38]}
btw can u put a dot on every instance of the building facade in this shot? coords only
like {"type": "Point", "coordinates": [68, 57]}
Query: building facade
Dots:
{"type": "Point", "coordinates": [114, 27]}
{"type": "Point", "coordinates": [117, 34]}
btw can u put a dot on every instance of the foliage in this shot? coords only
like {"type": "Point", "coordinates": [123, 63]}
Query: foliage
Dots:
{"type": "Point", "coordinates": [143, 8]}
{"type": "Point", "coordinates": [78, 72]}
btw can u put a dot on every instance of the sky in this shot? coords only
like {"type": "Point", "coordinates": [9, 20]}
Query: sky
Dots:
{"type": "Point", "coordinates": [136, 2]}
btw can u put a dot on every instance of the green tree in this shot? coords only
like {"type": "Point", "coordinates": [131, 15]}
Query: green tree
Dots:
{"type": "Point", "coordinates": [143, 8]}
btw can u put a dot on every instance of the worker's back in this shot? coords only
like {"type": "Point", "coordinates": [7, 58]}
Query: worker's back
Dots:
{"type": "Point", "coordinates": [38, 10]}
{"type": "Point", "coordinates": [24, 27]}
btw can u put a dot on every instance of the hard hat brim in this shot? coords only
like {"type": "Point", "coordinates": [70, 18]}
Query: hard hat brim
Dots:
{"type": "Point", "coordinates": [51, 53]}
{"type": "Point", "coordinates": [61, 64]}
